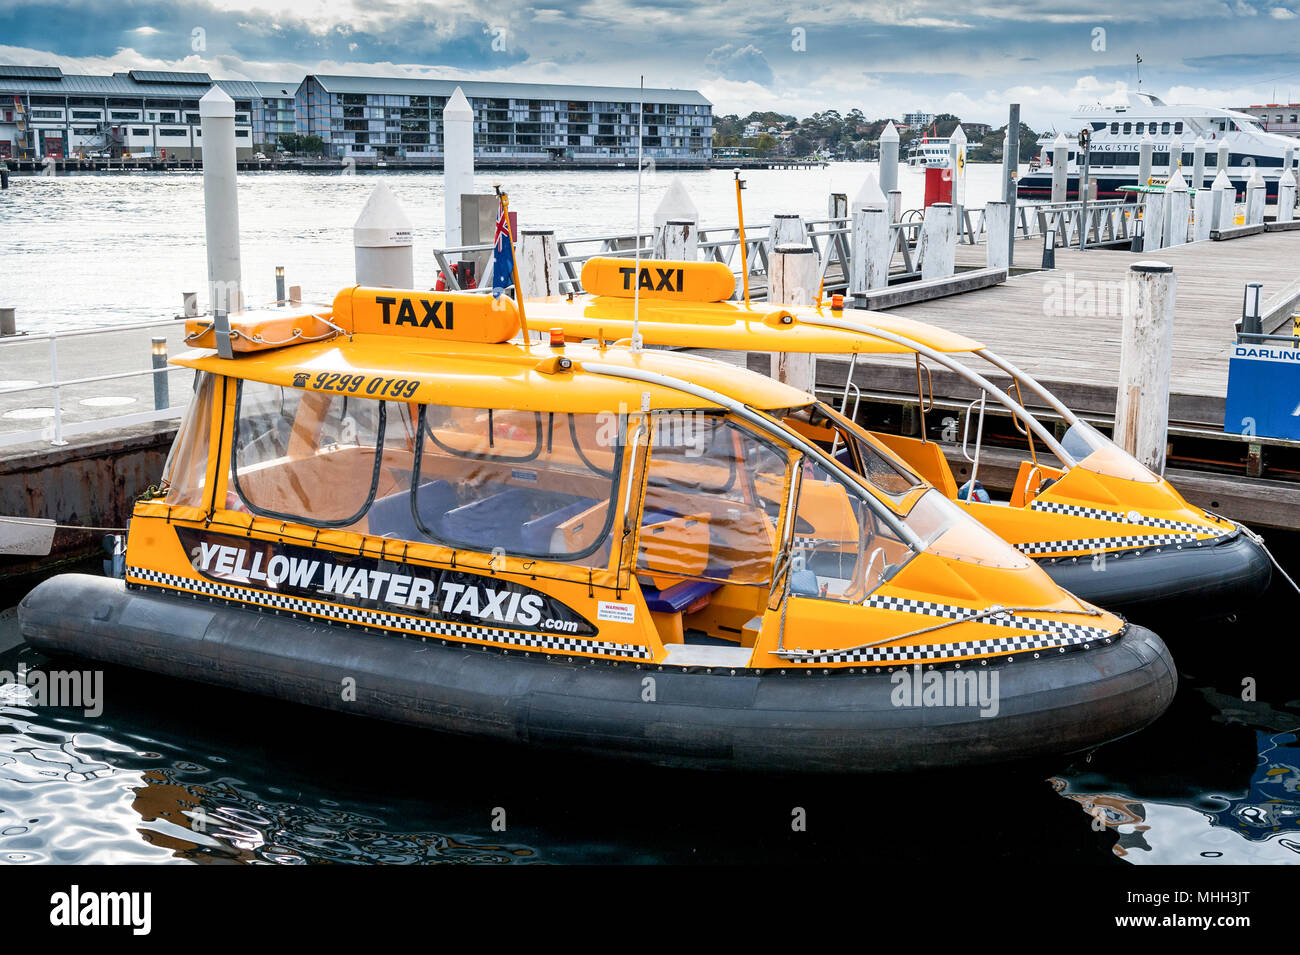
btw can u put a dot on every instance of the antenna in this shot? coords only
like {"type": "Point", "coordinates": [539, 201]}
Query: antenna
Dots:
{"type": "Point", "coordinates": [636, 291]}
{"type": "Point", "coordinates": [1139, 69]}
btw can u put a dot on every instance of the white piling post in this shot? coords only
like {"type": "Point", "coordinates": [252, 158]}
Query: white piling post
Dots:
{"type": "Point", "coordinates": [1203, 218]}
{"type": "Point", "coordinates": [1153, 221]}
{"type": "Point", "coordinates": [680, 241]}
{"type": "Point", "coordinates": [792, 280]}
{"type": "Point", "coordinates": [1221, 157]}
{"type": "Point", "coordinates": [221, 206]}
{"type": "Point", "coordinates": [957, 167]}
{"type": "Point", "coordinates": [787, 229]}
{"type": "Point", "coordinates": [1177, 209]}
{"type": "Point", "coordinates": [539, 263]}
{"type": "Point", "coordinates": [457, 163]}
{"type": "Point", "coordinates": [677, 205]}
{"type": "Point", "coordinates": [1286, 190]}
{"type": "Point", "coordinates": [1256, 195]}
{"type": "Point", "coordinates": [1176, 155]}
{"type": "Point", "coordinates": [1146, 358]}
{"type": "Point", "coordinates": [1198, 164]}
{"type": "Point", "coordinates": [938, 246]}
{"type": "Point", "coordinates": [894, 200]}
{"type": "Point", "coordinates": [1060, 167]}
{"type": "Point", "coordinates": [1146, 150]}
{"type": "Point", "coordinates": [1224, 197]}
{"type": "Point", "coordinates": [888, 158]}
{"type": "Point", "coordinates": [381, 240]}
{"type": "Point", "coordinates": [997, 223]}
{"type": "Point", "coordinates": [837, 206]}
{"type": "Point", "coordinates": [870, 256]}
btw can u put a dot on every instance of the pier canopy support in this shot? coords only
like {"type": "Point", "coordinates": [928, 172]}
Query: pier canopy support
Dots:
{"type": "Point", "coordinates": [1177, 209]}
{"type": "Point", "coordinates": [457, 163]}
{"type": "Point", "coordinates": [938, 245]}
{"type": "Point", "coordinates": [381, 238]}
{"type": "Point", "coordinates": [539, 263]}
{"type": "Point", "coordinates": [1145, 363]}
{"type": "Point", "coordinates": [793, 280]}
{"type": "Point", "coordinates": [221, 210]}
{"type": "Point", "coordinates": [888, 158]}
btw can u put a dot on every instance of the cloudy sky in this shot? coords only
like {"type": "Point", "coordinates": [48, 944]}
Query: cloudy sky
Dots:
{"type": "Point", "coordinates": [795, 57]}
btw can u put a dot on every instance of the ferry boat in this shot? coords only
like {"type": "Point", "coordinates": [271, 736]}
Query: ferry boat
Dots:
{"type": "Point", "coordinates": [403, 507]}
{"type": "Point", "coordinates": [1099, 523]}
{"type": "Point", "coordinates": [929, 152]}
{"type": "Point", "coordinates": [1116, 137]}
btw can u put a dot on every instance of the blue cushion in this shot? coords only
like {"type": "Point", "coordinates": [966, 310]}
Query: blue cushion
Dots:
{"type": "Point", "coordinates": [537, 532]}
{"type": "Point", "coordinates": [677, 597]}
{"type": "Point", "coordinates": [391, 516]}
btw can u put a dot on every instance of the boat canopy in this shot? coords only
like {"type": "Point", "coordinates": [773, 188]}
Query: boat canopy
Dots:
{"type": "Point", "coordinates": [733, 326]}
{"type": "Point", "coordinates": [414, 364]}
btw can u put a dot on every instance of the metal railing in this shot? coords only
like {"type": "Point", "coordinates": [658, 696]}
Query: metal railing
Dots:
{"type": "Point", "coordinates": [831, 238]}
{"type": "Point", "coordinates": [57, 431]}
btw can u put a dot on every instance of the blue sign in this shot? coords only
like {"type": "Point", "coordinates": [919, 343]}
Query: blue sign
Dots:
{"type": "Point", "coordinates": [1263, 391]}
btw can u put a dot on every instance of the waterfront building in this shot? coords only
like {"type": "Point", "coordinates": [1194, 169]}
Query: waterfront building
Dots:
{"type": "Point", "coordinates": [1283, 118]}
{"type": "Point", "coordinates": [46, 112]}
{"type": "Point", "coordinates": [519, 123]}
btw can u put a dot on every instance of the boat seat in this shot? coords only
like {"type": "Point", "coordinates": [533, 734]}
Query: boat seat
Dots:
{"type": "Point", "coordinates": [678, 597]}
{"type": "Point", "coordinates": [538, 532]}
{"type": "Point", "coordinates": [499, 519]}
{"type": "Point", "coordinates": [391, 516]}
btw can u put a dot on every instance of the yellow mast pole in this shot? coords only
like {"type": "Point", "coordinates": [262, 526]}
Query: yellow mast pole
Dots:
{"type": "Point", "coordinates": [514, 264]}
{"type": "Point", "coordinates": [744, 252]}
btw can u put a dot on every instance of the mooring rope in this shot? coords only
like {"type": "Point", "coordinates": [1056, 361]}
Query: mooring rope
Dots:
{"type": "Point", "coordinates": [33, 522]}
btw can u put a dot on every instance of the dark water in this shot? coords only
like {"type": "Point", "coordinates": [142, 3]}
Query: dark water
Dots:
{"type": "Point", "coordinates": [175, 771]}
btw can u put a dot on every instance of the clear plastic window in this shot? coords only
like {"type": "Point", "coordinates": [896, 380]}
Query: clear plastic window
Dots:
{"type": "Point", "coordinates": [855, 449]}
{"type": "Point", "coordinates": [1097, 453]}
{"type": "Point", "coordinates": [948, 531]}
{"type": "Point", "coordinates": [306, 456]}
{"type": "Point", "coordinates": [843, 551]}
{"type": "Point", "coordinates": [186, 471]}
{"type": "Point", "coordinates": [714, 493]}
{"type": "Point", "coordinates": [522, 483]}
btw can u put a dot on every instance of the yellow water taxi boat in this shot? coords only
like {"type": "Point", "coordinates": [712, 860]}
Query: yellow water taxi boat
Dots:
{"type": "Point", "coordinates": [401, 508]}
{"type": "Point", "coordinates": [1102, 525]}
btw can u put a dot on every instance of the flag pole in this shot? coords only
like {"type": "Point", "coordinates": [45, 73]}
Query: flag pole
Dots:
{"type": "Point", "coordinates": [636, 291]}
{"type": "Point", "coordinates": [514, 263]}
{"type": "Point", "coordinates": [744, 251]}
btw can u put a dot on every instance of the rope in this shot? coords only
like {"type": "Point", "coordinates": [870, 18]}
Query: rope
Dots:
{"type": "Point", "coordinates": [30, 522]}
{"type": "Point", "coordinates": [1260, 541]}
{"type": "Point", "coordinates": [259, 340]}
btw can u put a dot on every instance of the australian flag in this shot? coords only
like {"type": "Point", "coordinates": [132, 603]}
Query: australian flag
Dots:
{"type": "Point", "coordinates": [503, 254]}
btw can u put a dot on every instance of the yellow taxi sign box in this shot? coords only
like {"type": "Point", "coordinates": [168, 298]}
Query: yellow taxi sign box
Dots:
{"type": "Point", "coordinates": [438, 316]}
{"type": "Point", "coordinates": [658, 278]}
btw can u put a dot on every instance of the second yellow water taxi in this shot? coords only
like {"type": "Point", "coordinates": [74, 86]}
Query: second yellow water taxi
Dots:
{"type": "Point", "coordinates": [1100, 523]}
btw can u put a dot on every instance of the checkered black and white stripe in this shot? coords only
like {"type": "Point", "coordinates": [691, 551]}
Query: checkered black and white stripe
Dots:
{"type": "Point", "coordinates": [1102, 543]}
{"type": "Point", "coordinates": [373, 618]}
{"type": "Point", "coordinates": [1002, 646]}
{"type": "Point", "coordinates": [1055, 507]}
{"type": "Point", "coordinates": [1076, 632]}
